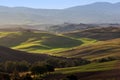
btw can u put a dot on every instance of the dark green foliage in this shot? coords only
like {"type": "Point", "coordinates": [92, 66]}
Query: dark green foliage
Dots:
{"type": "Point", "coordinates": [50, 68]}
{"type": "Point", "coordinates": [37, 69]}
{"type": "Point", "coordinates": [10, 66]}
{"type": "Point", "coordinates": [22, 66]}
{"type": "Point", "coordinates": [67, 62]}
{"type": "Point", "coordinates": [72, 77]}
{"type": "Point", "coordinates": [48, 65]}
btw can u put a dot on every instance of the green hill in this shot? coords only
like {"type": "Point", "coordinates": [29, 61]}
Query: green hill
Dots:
{"type": "Point", "coordinates": [93, 71]}
{"type": "Point", "coordinates": [36, 41]}
{"type": "Point", "coordinates": [75, 44]}
{"type": "Point", "coordinates": [88, 68]}
{"type": "Point", "coordinates": [101, 49]}
{"type": "Point", "coordinates": [7, 54]}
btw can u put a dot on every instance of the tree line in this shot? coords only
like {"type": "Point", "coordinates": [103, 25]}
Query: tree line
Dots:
{"type": "Point", "coordinates": [23, 66]}
{"type": "Point", "coordinates": [13, 68]}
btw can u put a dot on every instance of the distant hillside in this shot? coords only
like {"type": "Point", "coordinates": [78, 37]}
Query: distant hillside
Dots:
{"type": "Point", "coordinates": [26, 26]}
{"type": "Point", "coordinates": [97, 50]}
{"type": "Point", "coordinates": [7, 54]}
{"type": "Point", "coordinates": [68, 27]}
{"type": "Point", "coordinates": [19, 29]}
{"type": "Point", "coordinates": [101, 12]}
{"type": "Point", "coordinates": [98, 33]}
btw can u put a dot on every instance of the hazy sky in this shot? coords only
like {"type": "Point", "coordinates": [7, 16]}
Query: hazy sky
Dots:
{"type": "Point", "coordinates": [50, 4]}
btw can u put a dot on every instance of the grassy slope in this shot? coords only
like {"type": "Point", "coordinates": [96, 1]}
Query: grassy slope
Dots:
{"type": "Point", "coordinates": [90, 67]}
{"type": "Point", "coordinates": [97, 33]}
{"type": "Point", "coordinates": [97, 50]}
{"type": "Point", "coordinates": [7, 54]}
{"type": "Point", "coordinates": [69, 46]}
{"type": "Point", "coordinates": [40, 42]}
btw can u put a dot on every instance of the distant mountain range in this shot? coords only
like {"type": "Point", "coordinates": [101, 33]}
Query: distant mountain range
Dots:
{"type": "Point", "coordinates": [100, 12]}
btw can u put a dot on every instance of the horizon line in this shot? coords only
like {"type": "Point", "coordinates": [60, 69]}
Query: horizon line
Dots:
{"type": "Point", "coordinates": [56, 8]}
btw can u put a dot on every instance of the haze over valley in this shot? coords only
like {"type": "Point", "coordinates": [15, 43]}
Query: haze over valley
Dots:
{"type": "Point", "coordinates": [99, 12]}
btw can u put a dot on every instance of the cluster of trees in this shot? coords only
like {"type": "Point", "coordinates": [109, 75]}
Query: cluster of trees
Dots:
{"type": "Point", "coordinates": [23, 66]}
{"type": "Point", "coordinates": [13, 68]}
{"type": "Point", "coordinates": [38, 67]}
{"type": "Point", "coordinates": [67, 62]}
{"type": "Point", "coordinates": [16, 76]}
{"type": "Point", "coordinates": [41, 69]}
{"type": "Point", "coordinates": [10, 66]}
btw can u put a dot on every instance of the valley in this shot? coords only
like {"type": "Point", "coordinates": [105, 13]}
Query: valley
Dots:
{"type": "Point", "coordinates": [94, 50]}
{"type": "Point", "coordinates": [71, 43]}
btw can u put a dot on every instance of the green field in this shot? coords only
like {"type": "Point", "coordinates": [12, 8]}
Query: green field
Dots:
{"type": "Point", "coordinates": [100, 49]}
{"type": "Point", "coordinates": [62, 44]}
{"type": "Point", "coordinates": [87, 68]}
{"type": "Point", "coordinates": [40, 42]}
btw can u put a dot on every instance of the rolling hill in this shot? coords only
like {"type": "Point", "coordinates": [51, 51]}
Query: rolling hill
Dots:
{"type": "Point", "coordinates": [106, 68]}
{"type": "Point", "coordinates": [89, 67]}
{"type": "Point", "coordinates": [94, 71]}
{"type": "Point", "coordinates": [37, 41]}
{"type": "Point", "coordinates": [98, 33]}
{"type": "Point", "coordinates": [69, 27]}
{"type": "Point", "coordinates": [7, 54]}
{"type": "Point", "coordinates": [101, 49]}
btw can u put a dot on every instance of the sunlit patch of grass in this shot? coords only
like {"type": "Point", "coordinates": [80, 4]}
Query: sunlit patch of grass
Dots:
{"type": "Point", "coordinates": [35, 46]}
{"type": "Point", "coordinates": [4, 34]}
{"type": "Point", "coordinates": [88, 68]}
{"type": "Point", "coordinates": [88, 41]}
{"type": "Point", "coordinates": [41, 42]}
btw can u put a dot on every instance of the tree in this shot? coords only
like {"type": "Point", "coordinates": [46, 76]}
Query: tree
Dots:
{"type": "Point", "coordinates": [36, 69]}
{"type": "Point", "coordinates": [22, 66]}
{"type": "Point", "coordinates": [50, 68]}
{"type": "Point", "coordinates": [9, 66]}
